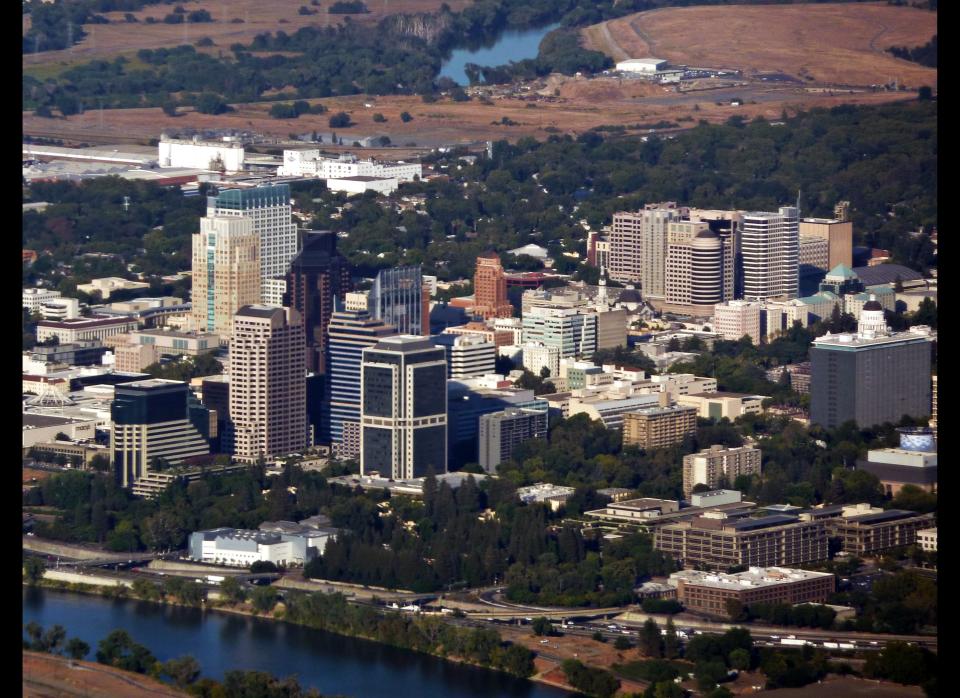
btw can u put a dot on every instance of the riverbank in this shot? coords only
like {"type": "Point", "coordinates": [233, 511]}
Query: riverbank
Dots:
{"type": "Point", "coordinates": [278, 614]}
{"type": "Point", "coordinates": [51, 675]}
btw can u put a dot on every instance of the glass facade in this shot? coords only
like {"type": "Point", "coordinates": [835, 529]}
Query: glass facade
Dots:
{"type": "Point", "coordinates": [397, 298]}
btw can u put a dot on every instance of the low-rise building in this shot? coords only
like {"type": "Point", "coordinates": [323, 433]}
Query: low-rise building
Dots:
{"type": "Point", "coordinates": [78, 329]}
{"type": "Point", "coordinates": [412, 487]}
{"type": "Point", "coordinates": [60, 309]}
{"type": "Point", "coordinates": [719, 405]}
{"type": "Point", "coordinates": [708, 593]}
{"type": "Point", "coordinates": [713, 498]}
{"type": "Point", "coordinates": [33, 297]}
{"type": "Point", "coordinates": [715, 542]}
{"type": "Point", "coordinates": [43, 428]}
{"type": "Point", "coordinates": [913, 463]}
{"type": "Point", "coordinates": [927, 539]}
{"type": "Point", "coordinates": [242, 547]}
{"type": "Point", "coordinates": [734, 319]}
{"type": "Point", "coordinates": [108, 285]}
{"type": "Point", "coordinates": [361, 184]}
{"type": "Point", "coordinates": [545, 493]}
{"type": "Point", "coordinates": [864, 535]}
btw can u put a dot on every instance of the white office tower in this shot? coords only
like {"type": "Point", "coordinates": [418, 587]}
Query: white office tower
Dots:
{"type": "Point", "coordinates": [268, 207]}
{"type": "Point", "coordinates": [638, 247]}
{"type": "Point", "coordinates": [770, 248]}
{"type": "Point", "coordinates": [467, 355]}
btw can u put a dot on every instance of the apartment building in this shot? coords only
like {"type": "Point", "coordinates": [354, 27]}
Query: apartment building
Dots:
{"type": "Point", "coordinates": [659, 427]}
{"type": "Point", "coordinates": [712, 464]}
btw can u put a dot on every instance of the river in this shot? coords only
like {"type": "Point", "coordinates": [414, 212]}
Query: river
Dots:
{"type": "Point", "coordinates": [512, 45]}
{"type": "Point", "coordinates": [333, 664]}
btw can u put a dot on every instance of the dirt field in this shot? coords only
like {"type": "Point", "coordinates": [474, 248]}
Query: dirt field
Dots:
{"type": "Point", "coordinates": [582, 105]}
{"type": "Point", "coordinates": [835, 687]}
{"type": "Point", "coordinates": [120, 37]}
{"type": "Point", "coordinates": [832, 44]}
{"type": "Point", "coordinates": [46, 676]}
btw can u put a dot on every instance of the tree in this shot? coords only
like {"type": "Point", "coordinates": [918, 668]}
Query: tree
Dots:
{"type": "Point", "coordinates": [77, 648]}
{"type": "Point", "coordinates": [264, 599]}
{"type": "Point", "coordinates": [740, 659]}
{"type": "Point", "coordinates": [650, 639]}
{"type": "Point", "coordinates": [405, 117]}
{"type": "Point", "coordinates": [667, 689]}
{"type": "Point", "coordinates": [709, 674]}
{"type": "Point", "coordinates": [924, 93]}
{"type": "Point", "coordinates": [622, 643]}
{"type": "Point", "coordinates": [169, 108]}
{"type": "Point", "coordinates": [262, 566]}
{"type": "Point", "coordinates": [340, 120]}
{"type": "Point", "coordinates": [598, 636]}
{"type": "Point", "coordinates": [33, 569]}
{"type": "Point", "coordinates": [118, 649]}
{"type": "Point", "coordinates": [211, 103]}
{"type": "Point", "coordinates": [671, 645]}
{"type": "Point", "coordinates": [379, 118]}
{"type": "Point", "coordinates": [232, 590]}
{"type": "Point", "coordinates": [183, 670]}
{"type": "Point", "coordinates": [542, 626]}
{"type": "Point", "coordinates": [736, 611]}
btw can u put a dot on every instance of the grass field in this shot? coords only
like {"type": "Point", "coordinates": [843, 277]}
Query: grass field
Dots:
{"type": "Point", "coordinates": [120, 37]}
{"type": "Point", "coordinates": [839, 44]}
{"type": "Point", "coordinates": [46, 675]}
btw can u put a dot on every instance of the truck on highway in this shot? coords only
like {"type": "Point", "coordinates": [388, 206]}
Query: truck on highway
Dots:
{"type": "Point", "coordinates": [831, 645]}
{"type": "Point", "coordinates": [214, 578]}
{"type": "Point", "coordinates": [793, 642]}
{"type": "Point", "coordinates": [847, 646]}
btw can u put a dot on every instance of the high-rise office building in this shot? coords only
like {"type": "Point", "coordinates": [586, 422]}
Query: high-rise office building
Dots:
{"type": "Point", "coordinates": [490, 288]}
{"type": "Point", "coordinates": [502, 432]}
{"type": "Point", "coordinates": [838, 235]}
{"type": "Point", "coordinates": [397, 299]}
{"type": "Point", "coordinates": [268, 403]}
{"type": "Point", "coordinates": [268, 207]}
{"type": "Point", "coordinates": [226, 272]}
{"type": "Point", "coordinates": [403, 418]}
{"type": "Point", "coordinates": [699, 268]}
{"type": "Point", "coordinates": [870, 377]}
{"type": "Point", "coordinates": [770, 247]}
{"type": "Point", "coordinates": [151, 420]}
{"type": "Point", "coordinates": [638, 247]}
{"type": "Point", "coordinates": [349, 333]}
{"type": "Point", "coordinates": [317, 276]}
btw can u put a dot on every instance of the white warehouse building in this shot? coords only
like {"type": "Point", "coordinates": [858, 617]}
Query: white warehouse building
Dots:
{"type": "Point", "coordinates": [309, 163]}
{"type": "Point", "coordinates": [241, 547]}
{"type": "Point", "coordinates": [201, 155]}
{"type": "Point", "coordinates": [647, 66]}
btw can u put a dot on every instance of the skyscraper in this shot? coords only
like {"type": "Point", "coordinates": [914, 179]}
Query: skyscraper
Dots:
{"type": "Point", "coordinates": [226, 272]}
{"type": "Point", "coordinates": [770, 246]}
{"type": "Point", "coordinates": [150, 421]}
{"type": "Point", "coordinates": [490, 288]}
{"type": "Point", "coordinates": [268, 207]}
{"type": "Point", "coordinates": [699, 268]}
{"type": "Point", "coordinates": [349, 333]}
{"type": "Point", "coordinates": [268, 404]}
{"type": "Point", "coordinates": [317, 275]}
{"type": "Point", "coordinates": [638, 247]}
{"type": "Point", "coordinates": [871, 377]}
{"type": "Point", "coordinates": [404, 408]}
{"type": "Point", "coordinates": [397, 299]}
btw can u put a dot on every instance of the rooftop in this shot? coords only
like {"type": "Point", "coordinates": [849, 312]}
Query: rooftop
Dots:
{"type": "Point", "coordinates": [754, 577]}
{"type": "Point", "coordinates": [883, 516]}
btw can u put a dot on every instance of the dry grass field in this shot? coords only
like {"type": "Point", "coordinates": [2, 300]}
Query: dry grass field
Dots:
{"type": "Point", "coordinates": [122, 38]}
{"type": "Point", "coordinates": [830, 44]}
{"type": "Point", "coordinates": [46, 675]}
{"type": "Point", "coordinates": [582, 105]}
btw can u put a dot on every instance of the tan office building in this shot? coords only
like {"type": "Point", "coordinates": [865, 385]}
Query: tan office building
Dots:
{"type": "Point", "coordinates": [657, 427]}
{"type": "Point", "coordinates": [226, 272]}
{"type": "Point", "coordinates": [837, 233]}
{"type": "Point", "coordinates": [708, 593]}
{"type": "Point", "coordinates": [699, 268]}
{"type": "Point", "coordinates": [734, 319]}
{"type": "Point", "coordinates": [268, 389]}
{"type": "Point", "coordinates": [638, 247]}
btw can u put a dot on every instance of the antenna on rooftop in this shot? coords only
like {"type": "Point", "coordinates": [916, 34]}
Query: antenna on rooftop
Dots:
{"type": "Point", "coordinates": [798, 204]}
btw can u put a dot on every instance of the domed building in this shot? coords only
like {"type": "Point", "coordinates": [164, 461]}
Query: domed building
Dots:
{"type": "Point", "coordinates": [699, 269]}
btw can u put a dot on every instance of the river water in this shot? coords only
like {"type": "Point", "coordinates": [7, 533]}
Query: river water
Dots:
{"type": "Point", "coordinates": [333, 664]}
{"type": "Point", "coordinates": [513, 45]}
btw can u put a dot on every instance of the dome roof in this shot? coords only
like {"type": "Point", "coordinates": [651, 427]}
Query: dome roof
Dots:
{"type": "Point", "coordinates": [872, 305]}
{"type": "Point", "coordinates": [706, 234]}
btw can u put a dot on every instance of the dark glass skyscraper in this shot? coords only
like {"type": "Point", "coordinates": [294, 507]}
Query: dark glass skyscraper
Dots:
{"type": "Point", "coordinates": [403, 408]}
{"type": "Point", "coordinates": [317, 275]}
{"type": "Point", "coordinates": [397, 299]}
